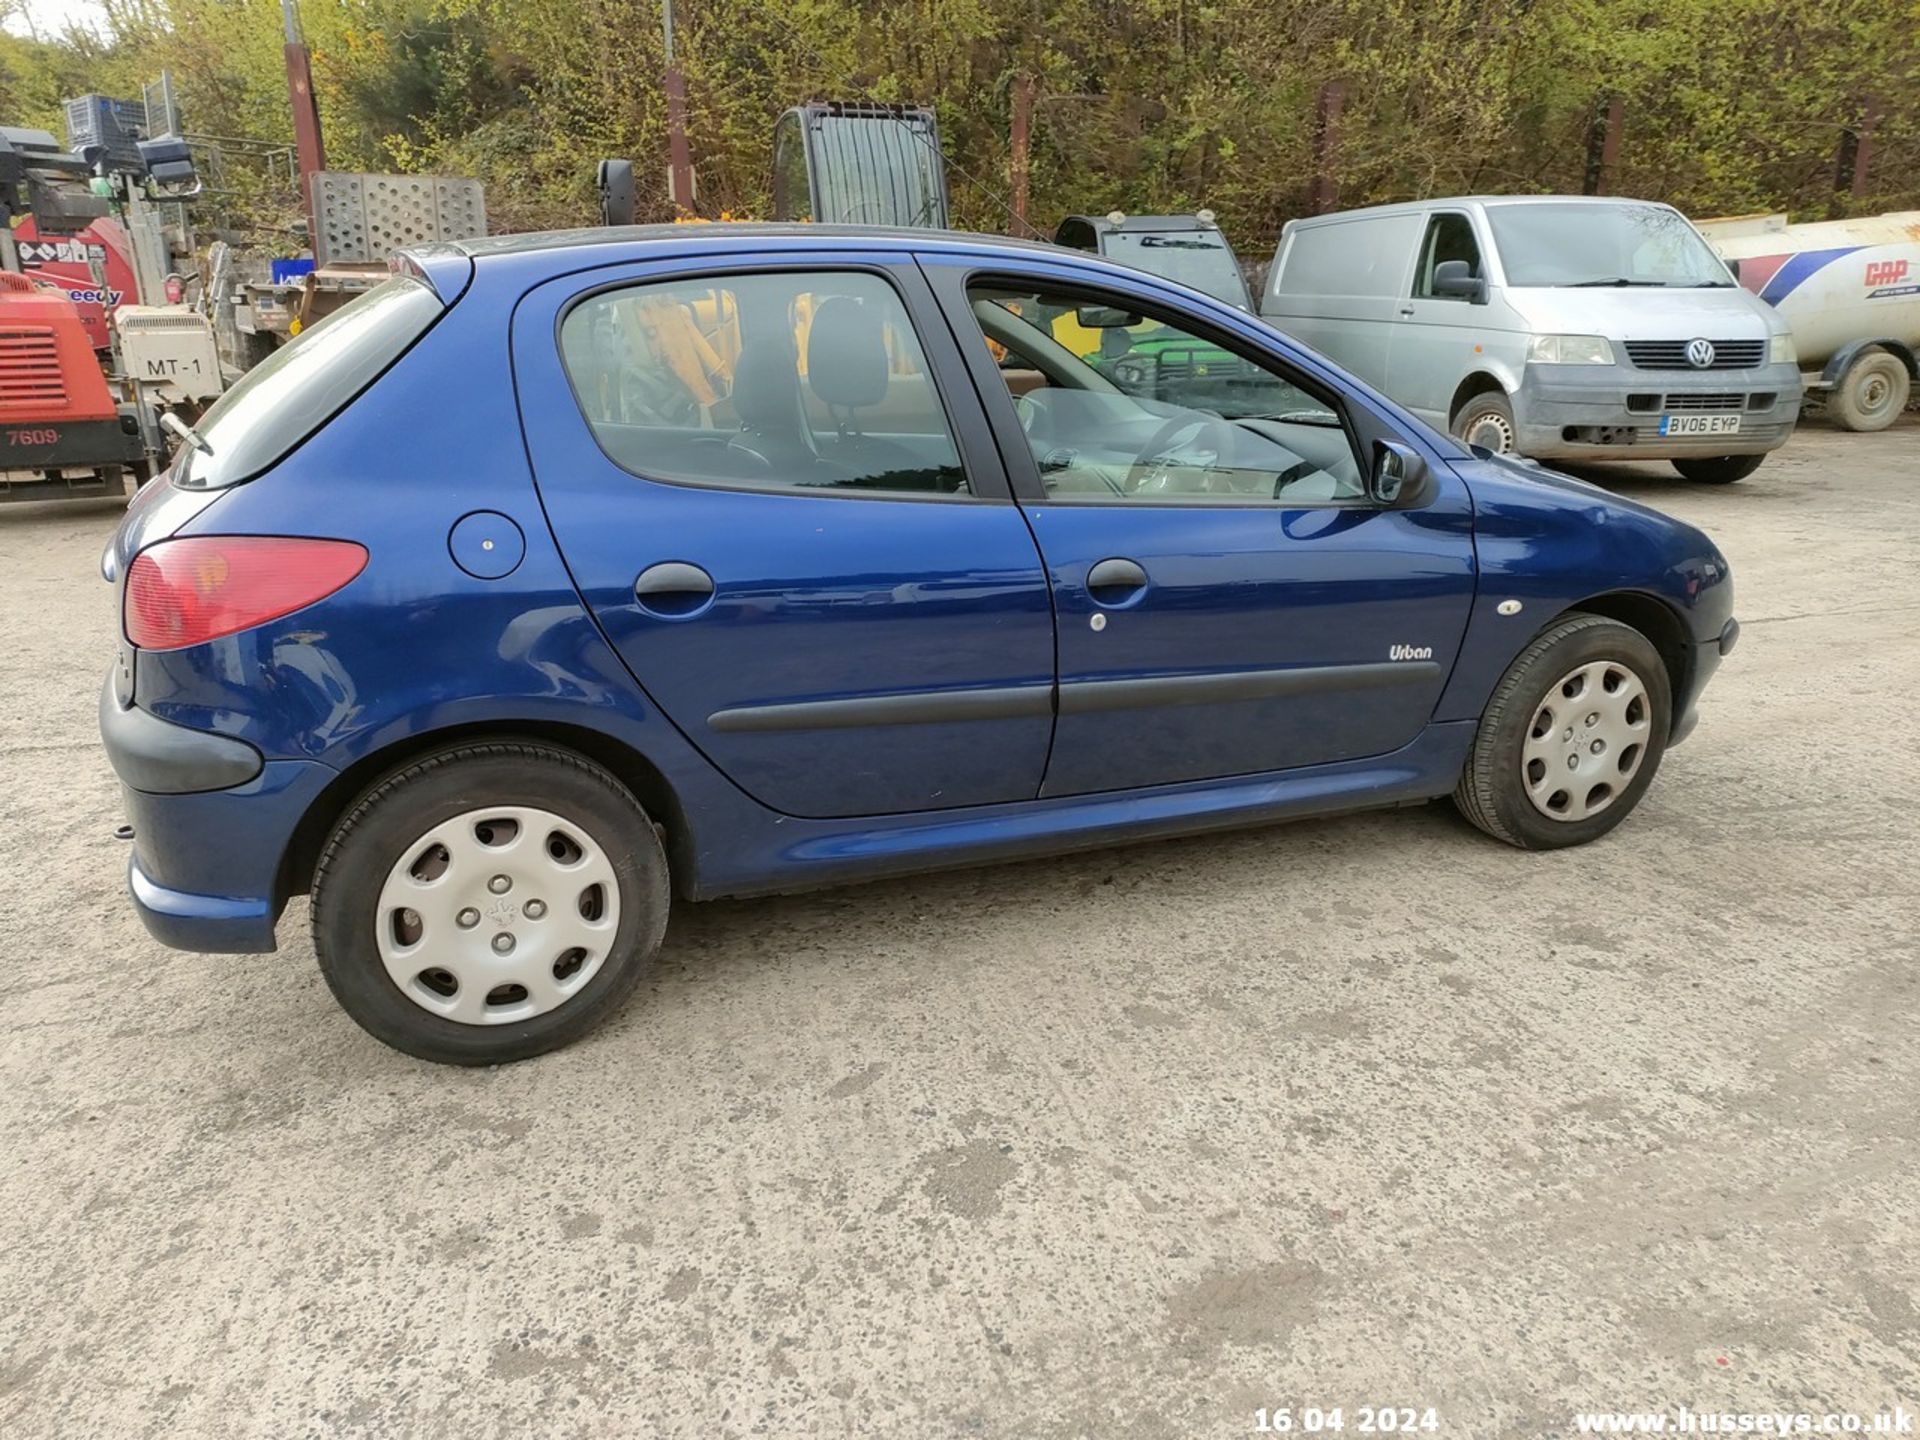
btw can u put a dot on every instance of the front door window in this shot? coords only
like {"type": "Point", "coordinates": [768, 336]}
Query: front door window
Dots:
{"type": "Point", "coordinates": [1119, 407]}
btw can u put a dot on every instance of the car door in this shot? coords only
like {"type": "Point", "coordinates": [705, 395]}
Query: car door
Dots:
{"type": "Point", "coordinates": [795, 530]}
{"type": "Point", "coordinates": [1435, 344]}
{"type": "Point", "coordinates": [1229, 600]}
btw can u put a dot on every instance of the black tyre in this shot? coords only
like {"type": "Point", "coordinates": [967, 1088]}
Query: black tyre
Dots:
{"type": "Point", "coordinates": [1718, 469]}
{"type": "Point", "coordinates": [1571, 738]}
{"type": "Point", "coordinates": [489, 903]}
{"type": "Point", "coordinates": [1872, 392]}
{"type": "Point", "coordinates": [1487, 420]}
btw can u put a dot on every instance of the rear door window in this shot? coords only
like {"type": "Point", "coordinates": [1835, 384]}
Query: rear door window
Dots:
{"type": "Point", "coordinates": [773, 380]}
{"type": "Point", "coordinates": [297, 389]}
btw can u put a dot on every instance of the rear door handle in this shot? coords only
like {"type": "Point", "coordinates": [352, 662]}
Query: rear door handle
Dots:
{"type": "Point", "coordinates": [1115, 581]}
{"type": "Point", "coordinates": [673, 590]}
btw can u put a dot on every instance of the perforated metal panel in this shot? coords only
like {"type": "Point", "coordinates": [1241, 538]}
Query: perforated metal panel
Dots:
{"type": "Point", "coordinates": [365, 218]}
{"type": "Point", "coordinates": [341, 217]}
{"type": "Point", "coordinates": [461, 209]}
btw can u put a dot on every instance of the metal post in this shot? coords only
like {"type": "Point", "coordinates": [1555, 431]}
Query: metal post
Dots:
{"type": "Point", "coordinates": [1603, 146]}
{"type": "Point", "coordinates": [1853, 156]}
{"type": "Point", "coordinates": [1325, 194]}
{"type": "Point", "coordinates": [1020, 141]}
{"type": "Point", "coordinates": [679, 156]}
{"type": "Point", "coordinates": [306, 113]}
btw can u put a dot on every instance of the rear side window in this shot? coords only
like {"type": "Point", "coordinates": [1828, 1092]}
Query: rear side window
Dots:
{"type": "Point", "coordinates": [297, 389]}
{"type": "Point", "coordinates": [1348, 257]}
{"type": "Point", "coordinates": [810, 380]}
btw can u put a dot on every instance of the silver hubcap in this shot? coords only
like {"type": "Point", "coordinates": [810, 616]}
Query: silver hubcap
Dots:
{"type": "Point", "coordinates": [498, 915]}
{"type": "Point", "coordinates": [1587, 741]}
{"type": "Point", "coordinates": [1490, 430]}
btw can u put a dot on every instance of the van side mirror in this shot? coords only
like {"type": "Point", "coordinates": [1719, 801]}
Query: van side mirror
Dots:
{"type": "Point", "coordinates": [1733, 268]}
{"type": "Point", "coordinates": [1398, 473]}
{"type": "Point", "coordinates": [1455, 280]}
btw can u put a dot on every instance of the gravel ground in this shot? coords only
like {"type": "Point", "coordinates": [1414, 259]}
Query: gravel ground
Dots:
{"type": "Point", "coordinates": [1352, 1112]}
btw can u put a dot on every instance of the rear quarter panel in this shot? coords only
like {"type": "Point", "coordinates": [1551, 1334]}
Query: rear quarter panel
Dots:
{"type": "Point", "coordinates": [415, 643]}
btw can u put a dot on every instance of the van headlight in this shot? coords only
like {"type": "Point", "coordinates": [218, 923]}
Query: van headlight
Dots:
{"type": "Point", "coordinates": [1569, 350]}
{"type": "Point", "coordinates": [1781, 351]}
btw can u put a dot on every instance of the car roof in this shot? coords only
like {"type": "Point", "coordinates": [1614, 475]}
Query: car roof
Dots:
{"type": "Point", "coordinates": [1408, 207]}
{"type": "Point", "coordinates": [450, 266]}
{"type": "Point", "coordinates": [647, 236]}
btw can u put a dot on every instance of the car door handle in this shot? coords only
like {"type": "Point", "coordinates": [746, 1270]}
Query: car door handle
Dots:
{"type": "Point", "coordinates": [673, 590]}
{"type": "Point", "coordinates": [1115, 581]}
{"type": "Point", "coordinates": [1406, 310]}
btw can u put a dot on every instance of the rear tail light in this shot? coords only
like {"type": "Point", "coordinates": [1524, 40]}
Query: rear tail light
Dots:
{"type": "Point", "coordinates": [185, 592]}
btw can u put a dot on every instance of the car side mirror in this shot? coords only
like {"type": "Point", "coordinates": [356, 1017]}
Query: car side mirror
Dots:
{"type": "Point", "coordinates": [1105, 317]}
{"type": "Point", "coordinates": [1455, 280]}
{"type": "Point", "coordinates": [1399, 473]}
{"type": "Point", "coordinates": [1733, 268]}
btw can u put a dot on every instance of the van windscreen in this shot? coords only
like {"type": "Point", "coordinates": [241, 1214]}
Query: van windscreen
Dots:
{"type": "Point", "coordinates": [1547, 244]}
{"type": "Point", "coordinates": [297, 389]}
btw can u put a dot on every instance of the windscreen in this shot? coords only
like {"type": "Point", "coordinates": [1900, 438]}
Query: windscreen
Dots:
{"type": "Point", "coordinates": [1200, 258]}
{"type": "Point", "coordinates": [297, 389]}
{"type": "Point", "coordinates": [1600, 245]}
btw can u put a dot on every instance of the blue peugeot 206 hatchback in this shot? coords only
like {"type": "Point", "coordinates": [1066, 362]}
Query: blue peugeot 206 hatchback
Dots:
{"type": "Point", "coordinates": [564, 575]}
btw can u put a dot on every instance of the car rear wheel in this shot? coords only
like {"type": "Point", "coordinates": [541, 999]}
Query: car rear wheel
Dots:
{"type": "Point", "coordinates": [1572, 737]}
{"type": "Point", "coordinates": [1486, 420]}
{"type": "Point", "coordinates": [1718, 469]}
{"type": "Point", "coordinates": [489, 903]}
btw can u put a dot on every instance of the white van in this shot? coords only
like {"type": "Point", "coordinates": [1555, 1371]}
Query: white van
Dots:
{"type": "Point", "coordinates": [1561, 327]}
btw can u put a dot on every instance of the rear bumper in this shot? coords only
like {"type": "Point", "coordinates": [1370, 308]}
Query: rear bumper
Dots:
{"type": "Point", "coordinates": [1610, 412]}
{"type": "Point", "coordinates": [220, 924]}
{"type": "Point", "coordinates": [206, 872]}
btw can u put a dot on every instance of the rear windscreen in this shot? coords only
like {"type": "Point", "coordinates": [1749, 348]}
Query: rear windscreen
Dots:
{"type": "Point", "coordinates": [297, 389]}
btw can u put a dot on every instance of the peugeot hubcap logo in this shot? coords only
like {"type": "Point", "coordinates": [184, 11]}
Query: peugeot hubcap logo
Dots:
{"type": "Point", "coordinates": [502, 912]}
{"type": "Point", "coordinates": [1700, 353]}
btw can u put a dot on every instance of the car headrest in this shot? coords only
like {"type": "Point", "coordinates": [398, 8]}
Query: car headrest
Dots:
{"type": "Point", "coordinates": [847, 353]}
{"type": "Point", "coordinates": [766, 390]}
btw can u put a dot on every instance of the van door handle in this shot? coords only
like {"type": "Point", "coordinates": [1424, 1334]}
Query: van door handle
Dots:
{"type": "Point", "coordinates": [673, 590]}
{"type": "Point", "coordinates": [1406, 310]}
{"type": "Point", "coordinates": [1116, 581]}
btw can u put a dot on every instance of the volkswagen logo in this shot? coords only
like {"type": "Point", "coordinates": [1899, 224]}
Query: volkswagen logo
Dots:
{"type": "Point", "coordinates": [1700, 353]}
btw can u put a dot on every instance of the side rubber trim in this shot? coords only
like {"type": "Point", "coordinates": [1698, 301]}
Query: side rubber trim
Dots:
{"type": "Point", "coordinates": [162, 758]}
{"type": "Point", "coordinates": [918, 708]}
{"type": "Point", "coordinates": [1088, 697]}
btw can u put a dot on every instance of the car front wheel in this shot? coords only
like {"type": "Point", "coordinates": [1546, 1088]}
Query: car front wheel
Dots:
{"type": "Point", "coordinates": [1487, 420]}
{"type": "Point", "coordinates": [1572, 737]}
{"type": "Point", "coordinates": [489, 903]}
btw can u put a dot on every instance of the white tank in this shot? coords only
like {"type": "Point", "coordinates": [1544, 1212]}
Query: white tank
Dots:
{"type": "Point", "coordinates": [1838, 283]}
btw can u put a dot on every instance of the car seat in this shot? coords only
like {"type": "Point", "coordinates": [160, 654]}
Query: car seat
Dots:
{"type": "Point", "coordinates": [847, 370]}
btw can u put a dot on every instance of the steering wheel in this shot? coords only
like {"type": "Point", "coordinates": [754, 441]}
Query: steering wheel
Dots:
{"type": "Point", "coordinates": [1210, 441]}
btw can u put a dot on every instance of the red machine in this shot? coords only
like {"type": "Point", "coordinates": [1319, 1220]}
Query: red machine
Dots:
{"type": "Point", "coordinates": [58, 421]}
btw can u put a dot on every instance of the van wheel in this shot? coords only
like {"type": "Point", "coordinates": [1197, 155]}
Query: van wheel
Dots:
{"type": "Point", "coordinates": [1572, 737]}
{"type": "Point", "coordinates": [489, 903]}
{"type": "Point", "coordinates": [1486, 420]}
{"type": "Point", "coordinates": [1719, 469]}
{"type": "Point", "coordinates": [1873, 392]}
